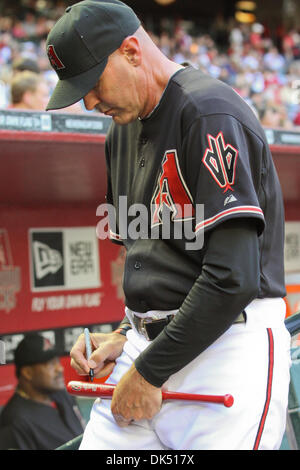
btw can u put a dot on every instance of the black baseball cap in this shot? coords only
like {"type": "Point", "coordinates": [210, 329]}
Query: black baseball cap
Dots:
{"type": "Point", "coordinates": [34, 349]}
{"type": "Point", "coordinates": [80, 42]}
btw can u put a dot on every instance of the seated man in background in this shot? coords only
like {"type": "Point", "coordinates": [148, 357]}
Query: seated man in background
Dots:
{"type": "Point", "coordinates": [40, 414]}
{"type": "Point", "coordinates": [29, 90]}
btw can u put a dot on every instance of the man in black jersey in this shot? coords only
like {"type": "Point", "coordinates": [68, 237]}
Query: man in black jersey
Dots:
{"type": "Point", "coordinates": [203, 313]}
{"type": "Point", "coordinates": [40, 415]}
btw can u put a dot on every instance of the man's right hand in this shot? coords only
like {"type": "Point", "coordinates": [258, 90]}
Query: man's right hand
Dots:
{"type": "Point", "coordinates": [106, 348]}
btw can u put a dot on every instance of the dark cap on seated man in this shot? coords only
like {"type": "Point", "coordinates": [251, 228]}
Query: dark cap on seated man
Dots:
{"type": "Point", "coordinates": [79, 44]}
{"type": "Point", "coordinates": [41, 359]}
{"type": "Point", "coordinates": [33, 349]}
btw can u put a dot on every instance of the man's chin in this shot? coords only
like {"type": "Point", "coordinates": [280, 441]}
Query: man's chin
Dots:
{"type": "Point", "coordinates": [123, 119]}
{"type": "Point", "coordinates": [59, 384]}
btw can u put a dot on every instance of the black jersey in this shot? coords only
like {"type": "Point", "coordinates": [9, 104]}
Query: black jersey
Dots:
{"type": "Point", "coordinates": [29, 425]}
{"type": "Point", "coordinates": [202, 145]}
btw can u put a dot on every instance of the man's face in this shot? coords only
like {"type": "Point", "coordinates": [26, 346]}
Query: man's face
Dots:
{"type": "Point", "coordinates": [118, 92]}
{"type": "Point", "coordinates": [39, 98]}
{"type": "Point", "coordinates": [48, 376]}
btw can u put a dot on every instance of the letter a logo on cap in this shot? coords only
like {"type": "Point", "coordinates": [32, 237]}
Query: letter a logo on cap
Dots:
{"type": "Point", "coordinates": [54, 59]}
{"type": "Point", "coordinates": [47, 344]}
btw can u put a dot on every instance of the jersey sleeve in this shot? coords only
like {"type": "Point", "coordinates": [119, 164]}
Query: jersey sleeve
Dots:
{"type": "Point", "coordinates": [224, 163]}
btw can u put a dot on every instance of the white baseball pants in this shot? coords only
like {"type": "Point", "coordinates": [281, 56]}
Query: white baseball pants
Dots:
{"type": "Point", "coordinates": [250, 361]}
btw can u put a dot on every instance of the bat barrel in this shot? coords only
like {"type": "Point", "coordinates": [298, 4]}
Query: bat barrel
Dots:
{"type": "Point", "coordinates": [87, 389]}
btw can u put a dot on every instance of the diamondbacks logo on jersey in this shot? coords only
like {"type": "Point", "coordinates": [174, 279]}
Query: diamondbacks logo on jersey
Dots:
{"type": "Point", "coordinates": [220, 159]}
{"type": "Point", "coordinates": [171, 191]}
{"type": "Point", "coordinates": [54, 59]}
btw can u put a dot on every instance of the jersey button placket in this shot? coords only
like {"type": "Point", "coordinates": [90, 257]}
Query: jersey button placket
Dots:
{"type": "Point", "coordinates": [143, 141]}
{"type": "Point", "coordinates": [137, 265]}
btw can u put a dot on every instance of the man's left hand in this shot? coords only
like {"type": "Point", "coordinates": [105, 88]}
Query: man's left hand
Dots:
{"type": "Point", "coordinates": [134, 399]}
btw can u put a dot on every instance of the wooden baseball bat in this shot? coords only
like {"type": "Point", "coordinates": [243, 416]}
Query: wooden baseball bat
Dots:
{"type": "Point", "coordinates": [87, 389]}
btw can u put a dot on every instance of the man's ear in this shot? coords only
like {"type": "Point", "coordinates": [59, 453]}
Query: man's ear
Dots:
{"type": "Point", "coordinates": [27, 373]}
{"type": "Point", "coordinates": [131, 49]}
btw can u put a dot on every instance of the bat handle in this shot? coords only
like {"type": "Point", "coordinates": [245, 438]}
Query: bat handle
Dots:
{"type": "Point", "coordinates": [226, 400]}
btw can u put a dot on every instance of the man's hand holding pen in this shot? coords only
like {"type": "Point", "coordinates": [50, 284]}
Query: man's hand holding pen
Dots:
{"type": "Point", "coordinates": [105, 349]}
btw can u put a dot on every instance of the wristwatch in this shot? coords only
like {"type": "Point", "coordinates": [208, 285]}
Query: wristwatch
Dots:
{"type": "Point", "coordinates": [122, 330]}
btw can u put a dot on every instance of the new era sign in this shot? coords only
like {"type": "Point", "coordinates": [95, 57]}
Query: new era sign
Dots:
{"type": "Point", "coordinates": [65, 258]}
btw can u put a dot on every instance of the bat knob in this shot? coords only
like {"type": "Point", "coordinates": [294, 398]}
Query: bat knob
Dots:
{"type": "Point", "coordinates": [228, 400]}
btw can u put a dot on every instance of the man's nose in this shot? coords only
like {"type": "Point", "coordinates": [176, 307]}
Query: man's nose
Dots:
{"type": "Point", "coordinates": [59, 367]}
{"type": "Point", "coordinates": [91, 100]}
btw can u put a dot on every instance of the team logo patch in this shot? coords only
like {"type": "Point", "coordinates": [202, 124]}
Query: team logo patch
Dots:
{"type": "Point", "coordinates": [220, 159]}
{"type": "Point", "coordinates": [171, 192]}
{"type": "Point", "coordinates": [54, 59]}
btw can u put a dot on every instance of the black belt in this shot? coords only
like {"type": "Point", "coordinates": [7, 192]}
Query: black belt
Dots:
{"type": "Point", "coordinates": [151, 327]}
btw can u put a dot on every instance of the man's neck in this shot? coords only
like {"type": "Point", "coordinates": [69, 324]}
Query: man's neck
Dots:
{"type": "Point", "coordinates": [31, 394]}
{"type": "Point", "coordinates": [20, 105]}
{"type": "Point", "coordinates": [161, 78]}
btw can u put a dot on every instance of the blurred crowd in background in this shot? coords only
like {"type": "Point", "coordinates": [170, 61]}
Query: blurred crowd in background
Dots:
{"type": "Point", "coordinates": [263, 69]}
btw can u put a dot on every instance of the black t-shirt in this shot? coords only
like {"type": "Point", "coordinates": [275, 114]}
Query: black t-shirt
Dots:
{"type": "Point", "coordinates": [29, 425]}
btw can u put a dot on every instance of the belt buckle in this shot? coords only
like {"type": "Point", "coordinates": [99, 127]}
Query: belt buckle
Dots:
{"type": "Point", "coordinates": [142, 328]}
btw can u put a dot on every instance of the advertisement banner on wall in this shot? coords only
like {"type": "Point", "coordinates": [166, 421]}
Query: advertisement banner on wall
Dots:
{"type": "Point", "coordinates": [292, 247]}
{"type": "Point", "coordinates": [56, 274]}
{"type": "Point", "coordinates": [10, 275]}
{"type": "Point", "coordinates": [55, 279]}
{"type": "Point", "coordinates": [66, 259]}
{"type": "Point", "coordinates": [292, 265]}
